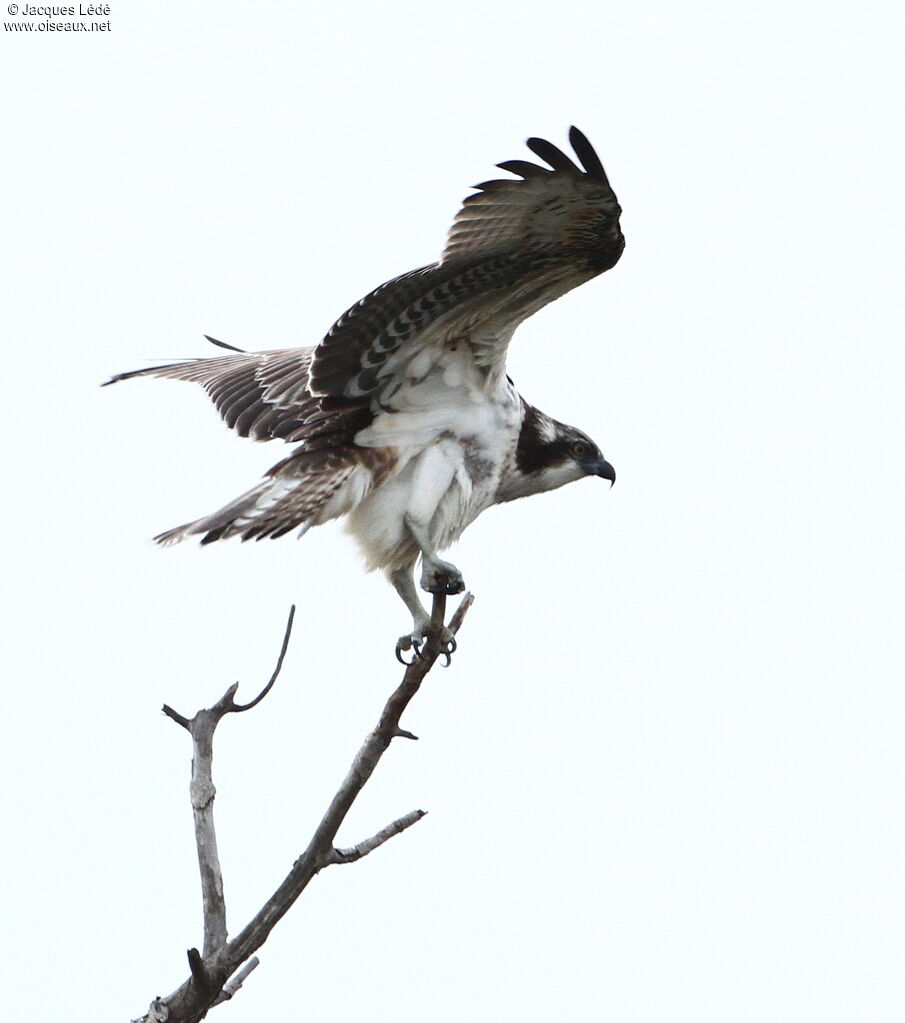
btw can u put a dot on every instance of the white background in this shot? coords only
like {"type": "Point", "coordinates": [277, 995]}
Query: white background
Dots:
{"type": "Point", "coordinates": [665, 771]}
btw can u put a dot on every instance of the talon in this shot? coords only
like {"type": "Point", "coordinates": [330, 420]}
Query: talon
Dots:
{"type": "Point", "coordinates": [416, 649]}
{"type": "Point", "coordinates": [404, 643]}
{"type": "Point", "coordinates": [452, 645]}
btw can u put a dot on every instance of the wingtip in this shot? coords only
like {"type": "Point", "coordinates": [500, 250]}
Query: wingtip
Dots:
{"type": "Point", "coordinates": [115, 379]}
{"type": "Point", "coordinates": [586, 154]}
{"type": "Point", "coordinates": [553, 155]}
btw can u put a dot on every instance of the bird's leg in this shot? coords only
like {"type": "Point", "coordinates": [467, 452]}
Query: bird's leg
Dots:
{"type": "Point", "coordinates": [434, 474]}
{"type": "Point", "coordinates": [404, 582]}
{"type": "Point", "coordinates": [437, 575]}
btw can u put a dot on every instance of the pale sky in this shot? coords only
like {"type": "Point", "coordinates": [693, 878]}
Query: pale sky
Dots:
{"type": "Point", "coordinates": [664, 775]}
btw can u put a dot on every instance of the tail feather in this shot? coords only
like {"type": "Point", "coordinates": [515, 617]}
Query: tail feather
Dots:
{"type": "Point", "coordinates": [245, 516]}
{"type": "Point", "coordinates": [279, 504]}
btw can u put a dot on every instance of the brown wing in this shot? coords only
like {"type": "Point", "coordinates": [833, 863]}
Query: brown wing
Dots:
{"type": "Point", "coordinates": [567, 208]}
{"type": "Point", "coordinates": [513, 247]}
{"type": "Point", "coordinates": [265, 396]}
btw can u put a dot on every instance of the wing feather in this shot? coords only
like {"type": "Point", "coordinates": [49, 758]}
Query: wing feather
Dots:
{"type": "Point", "coordinates": [265, 396]}
{"type": "Point", "coordinates": [514, 246]}
{"type": "Point", "coordinates": [553, 155]}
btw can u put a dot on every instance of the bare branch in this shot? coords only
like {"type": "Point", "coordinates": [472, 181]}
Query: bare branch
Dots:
{"type": "Point", "coordinates": [372, 843]}
{"type": "Point", "coordinates": [237, 980]}
{"type": "Point", "coordinates": [455, 623]}
{"type": "Point", "coordinates": [222, 959]}
{"type": "Point", "coordinates": [203, 794]}
{"type": "Point", "coordinates": [177, 717]}
{"type": "Point", "coordinates": [201, 727]}
{"type": "Point", "coordinates": [199, 970]}
{"type": "Point", "coordinates": [239, 707]}
{"type": "Point", "coordinates": [158, 1012]}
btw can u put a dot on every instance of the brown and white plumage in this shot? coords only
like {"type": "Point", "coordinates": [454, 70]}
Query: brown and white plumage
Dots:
{"type": "Point", "coordinates": [403, 415]}
{"type": "Point", "coordinates": [515, 246]}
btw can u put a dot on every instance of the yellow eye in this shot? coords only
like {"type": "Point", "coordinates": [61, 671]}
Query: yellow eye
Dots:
{"type": "Point", "coordinates": [578, 449]}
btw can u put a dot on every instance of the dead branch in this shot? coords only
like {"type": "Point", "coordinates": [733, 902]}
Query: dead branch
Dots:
{"type": "Point", "coordinates": [201, 728]}
{"type": "Point", "coordinates": [370, 844]}
{"type": "Point", "coordinates": [219, 971]}
{"type": "Point", "coordinates": [237, 980]}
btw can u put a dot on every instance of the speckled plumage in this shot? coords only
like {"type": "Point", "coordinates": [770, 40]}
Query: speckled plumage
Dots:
{"type": "Point", "coordinates": [403, 415]}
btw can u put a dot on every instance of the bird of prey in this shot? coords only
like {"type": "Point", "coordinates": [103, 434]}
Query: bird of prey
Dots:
{"type": "Point", "coordinates": [405, 419]}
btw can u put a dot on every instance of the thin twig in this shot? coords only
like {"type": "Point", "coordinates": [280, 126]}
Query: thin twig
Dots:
{"type": "Point", "coordinates": [239, 707]}
{"type": "Point", "coordinates": [375, 841]}
{"type": "Point", "coordinates": [177, 717]}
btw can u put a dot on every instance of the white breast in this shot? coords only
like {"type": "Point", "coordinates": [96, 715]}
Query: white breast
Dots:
{"type": "Point", "coordinates": [453, 431]}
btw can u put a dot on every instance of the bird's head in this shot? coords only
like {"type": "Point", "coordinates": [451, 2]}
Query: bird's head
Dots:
{"type": "Point", "coordinates": [549, 455]}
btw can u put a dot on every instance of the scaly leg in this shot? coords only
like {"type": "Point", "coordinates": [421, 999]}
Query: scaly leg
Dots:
{"type": "Point", "coordinates": [437, 575]}
{"type": "Point", "coordinates": [404, 582]}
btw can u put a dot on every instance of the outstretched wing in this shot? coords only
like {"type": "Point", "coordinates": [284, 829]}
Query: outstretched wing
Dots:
{"type": "Point", "coordinates": [570, 209]}
{"type": "Point", "coordinates": [265, 396]}
{"type": "Point", "coordinates": [515, 246]}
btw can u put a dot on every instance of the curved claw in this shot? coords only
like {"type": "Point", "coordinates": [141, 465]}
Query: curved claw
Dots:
{"type": "Point", "coordinates": [448, 649]}
{"type": "Point", "coordinates": [417, 644]}
{"type": "Point", "coordinates": [400, 658]}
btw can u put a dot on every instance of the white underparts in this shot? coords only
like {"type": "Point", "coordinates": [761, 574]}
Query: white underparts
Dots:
{"type": "Point", "coordinates": [452, 439]}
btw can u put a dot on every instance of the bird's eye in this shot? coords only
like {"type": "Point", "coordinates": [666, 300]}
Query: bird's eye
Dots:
{"type": "Point", "coordinates": [578, 449]}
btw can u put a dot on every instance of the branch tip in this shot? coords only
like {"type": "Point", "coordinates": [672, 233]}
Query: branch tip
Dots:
{"type": "Point", "coordinates": [237, 980]}
{"type": "Point", "coordinates": [177, 717]}
{"type": "Point", "coordinates": [455, 623]}
{"type": "Point", "coordinates": [375, 841]}
{"type": "Point", "coordinates": [199, 970]}
{"type": "Point", "coordinates": [239, 707]}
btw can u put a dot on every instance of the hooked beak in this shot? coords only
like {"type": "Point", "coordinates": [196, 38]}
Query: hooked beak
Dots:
{"type": "Point", "coordinates": [604, 469]}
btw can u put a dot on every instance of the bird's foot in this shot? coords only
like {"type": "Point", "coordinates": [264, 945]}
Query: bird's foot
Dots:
{"type": "Point", "coordinates": [441, 577]}
{"type": "Point", "coordinates": [417, 640]}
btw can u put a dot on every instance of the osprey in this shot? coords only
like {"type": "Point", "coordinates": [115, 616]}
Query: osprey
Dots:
{"type": "Point", "coordinates": [404, 417]}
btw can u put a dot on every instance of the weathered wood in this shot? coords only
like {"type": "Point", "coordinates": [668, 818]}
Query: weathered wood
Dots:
{"type": "Point", "coordinates": [220, 971]}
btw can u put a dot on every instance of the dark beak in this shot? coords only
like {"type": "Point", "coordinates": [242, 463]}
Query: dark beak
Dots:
{"type": "Point", "coordinates": [604, 469]}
